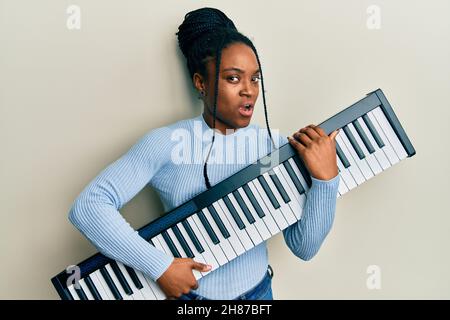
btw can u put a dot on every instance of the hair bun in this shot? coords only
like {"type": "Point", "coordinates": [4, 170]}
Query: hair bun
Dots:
{"type": "Point", "coordinates": [200, 22]}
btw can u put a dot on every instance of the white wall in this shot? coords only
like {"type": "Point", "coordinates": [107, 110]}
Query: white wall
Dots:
{"type": "Point", "coordinates": [74, 101]}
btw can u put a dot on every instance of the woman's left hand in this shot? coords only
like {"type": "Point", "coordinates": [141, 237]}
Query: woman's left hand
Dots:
{"type": "Point", "coordinates": [317, 150]}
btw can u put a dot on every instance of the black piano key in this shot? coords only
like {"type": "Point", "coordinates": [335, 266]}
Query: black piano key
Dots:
{"type": "Point", "coordinates": [244, 207]}
{"type": "Point", "coordinates": [253, 201]}
{"type": "Point", "coordinates": [212, 235]}
{"type": "Point", "coordinates": [123, 282]}
{"type": "Point", "coordinates": [110, 284]}
{"type": "Point", "coordinates": [234, 213]}
{"type": "Point", "coordinates": [294, 178]}
{"type": "Point", "coordinates": [182, 242]}
{"type": "Point", "coordinates": [373, 131]}
{"type": "Point", "coordinates": [92, 288]}
{"type": "Point", "coordinates": [192, 235]}
{"type": "Point", "coordinates": [80, 293]}
{"type": "Point", "coordinates": [218, 222]}
{"type": "Point", "coordinates": [303, 170]}
{"type": "Point", "coordinates": [268, 192]}
{"type": "Point", "coordinates": [134, 277]}
{"type": "Point", "coordinates": [171, 245]}
{"type": "Point", "coordinates": [279, 186]}
{"type": "Point", "coordinates": [353, 142]}
{"type": "Point", "coordinates": [342, 156]}
{"type": "Point", "coordinates": [363, 136]}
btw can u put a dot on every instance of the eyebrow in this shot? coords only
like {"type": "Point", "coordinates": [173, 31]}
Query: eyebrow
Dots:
{"type": "Point", "coordinates": [238, 70]}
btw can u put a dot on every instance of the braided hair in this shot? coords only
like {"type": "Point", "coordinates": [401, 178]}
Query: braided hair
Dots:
{"type": "Point", "coordinates": [202, 35]}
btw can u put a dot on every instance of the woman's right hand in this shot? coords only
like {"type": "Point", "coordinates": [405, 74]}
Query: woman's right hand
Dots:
{"type": "Point", "coordinates": [179, 279]}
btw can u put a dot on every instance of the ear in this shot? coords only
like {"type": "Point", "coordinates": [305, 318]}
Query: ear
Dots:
{"type": "Point", "coordinates": [198, 81]}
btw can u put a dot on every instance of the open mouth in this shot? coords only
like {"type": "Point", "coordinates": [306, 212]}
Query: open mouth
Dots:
{"type": "Point", "coordinates": [246, 110]}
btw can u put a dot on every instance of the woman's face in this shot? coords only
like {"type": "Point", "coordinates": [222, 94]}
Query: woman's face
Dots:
{"type": "Point", "coordinates": [238, 88]}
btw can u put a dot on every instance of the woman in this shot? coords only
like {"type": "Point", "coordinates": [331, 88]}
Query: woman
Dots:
{"type": "Point", "coordinates": [226, 70]}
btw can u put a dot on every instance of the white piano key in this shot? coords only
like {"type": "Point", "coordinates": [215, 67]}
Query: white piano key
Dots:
{"type": "Point", "coordinates": [390, 133]}
{"type": "Point", "coordinates": [267, 207]}
{"type": "Point", "coordinates": [346, 175]}
{"type": "Point", "coordinates": [379, 154]}
{"type": "Point", "coordinates": [259, 224]}
{"type": "Point", "coordinates": [295, 204]}
{"type": "Point", "coordinates": [249, 228]}
{"type": "Point", "coordinates": [224, 243]}
{"type": "Point", "coordinates": [233, 239]}
{"type": "Point", "coordinates": [157, 291]}
{"type": "Point", "coordinates": [137, 295]}
{"type": "Point", "coordinates": [388, 150]}
{"type": "Point", "coordinates": [104, 285]}
{"type": "Point", "coordinates": [285, 208]}
{"type": "Point", "coordinates": [161, 244]}
{"type": "Point", "coordinates": [240, 233]}
{"type": "Point", "coordinates": [362, 164]}
{"type": "Point", "coordinates": [73, 292]}
{"type": "Point", "coordinates": [268, 218]}
{"type": "Point", "coordinates": [86, 290]}
{"type": "Point", "coordinates": [299, 175]}
{"type": "Point", "coordinates": [197, 255]}
{"type": "Point", "coordinates": [216, 249]}
{"type": "Point", "coordinates": [146, 290]}
{"type": "Point", "coordinates": [98, 285]}
{"type": "Point", "coordinates": [371, 160]}
{"type": "Point", "coordinates": [117, 283]}
{"type": "Point", "coordinates": [354, 170]}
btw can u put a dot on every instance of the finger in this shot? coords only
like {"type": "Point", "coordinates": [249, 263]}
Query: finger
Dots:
{"type": "Point", "coordinates": [195, 285]}
{"type": "Point", "coordinates": [200, 266]}
{"type": "Point", "coordinates": [320, 131]}
{"type": "Point", "coordinates": [297, 145]}
{"type": "Point", "coordinates": [334, 134]}
{"type": "Point", "coordinates": [311, 132]}
{"type": "Point", "coordinates": [303, 138]}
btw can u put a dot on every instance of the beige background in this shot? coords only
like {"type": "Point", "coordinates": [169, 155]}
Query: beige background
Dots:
{"type": "Point", "coordinates": [74, 101]}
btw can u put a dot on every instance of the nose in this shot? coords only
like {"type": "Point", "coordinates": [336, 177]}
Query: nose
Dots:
{"type": "Point", "coordinates": [247, 89]}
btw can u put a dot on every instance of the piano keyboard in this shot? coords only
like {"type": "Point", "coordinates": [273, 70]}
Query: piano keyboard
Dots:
{"type": "Point", "coordinates": [249, 207]}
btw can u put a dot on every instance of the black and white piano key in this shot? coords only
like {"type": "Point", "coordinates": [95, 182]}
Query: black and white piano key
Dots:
{"type": "Point", "coordinates": [182, 240]}
{"type": "Point", "coordinates": [173, 249]}
{"type": "Point", "coordinates": [342, 156]}
{"type": "Point", "coordinates": [388, 150]}
{"type": "Point", "coordinates": [207, 226]}
{"type": "Point", "coordinates": [346, 178]}
{"type": "Point", "coordinates": [102, 286]}
{"type": "Point", "coordinates": [267, 206]}
{"type": "Point", "coordinates": [224, 243]}
{"type": "Point", "coordinates": [149, 284]}
{"type": "Point", "coordinates": [249, 193]}
{"type": "Point", "coordinates": [233, 238]}
{"type": "Point", "coordinates": [108, 279]}
{"type": "Point", "coordinates": [137, 283]}
{"type": "Point", "coordinates": [208, 258]}
{"type": "Point", "coordinates": [268, 192]}
{"type": "Point", "coordinates": [147, 290]}
{"type": "Point", "coordinates": [356, 147]}
{"type": "Point", "coordinates": [390, 133]}
{"type": "Point", "coordinates": [83, 291]}
{"type": "Point", "coordinates": [281, 189]}
{"type": "Point", "coordinates": [361, 163]}
{"type": "Point", "coordinates": [117, 283]}
{"type": "Point", "coordinates": [218, 221]}
{"type": "Point", "coordinates": [192, 236]}
{"type": "Point", "coordinates": [370, 157]}
{"type": "Point", "coordinates": [137, 294]}
{"type": "Point", "coordinates": [370, 126]}
{"type": "Point", "coordinates": [290, 171]}
{"type": "Point", "coordinates": [233, 212]}
{"type": "Point", "coordinates": [91, 288]}
{"type": "Point", "coordinates": [202, 234]}
{"type": "Point", "coordinates": [250, 228]}
{"type": "Point", "coordinates": [267, 218]}
{"type": "Point", "coordinates": [241, 233]}
{"type": "Point", "coordinates": [259, 223]}
{"type": "Point", "coordinates": [296, 203]}
{"type": "Point", "coordinates": [241, 204]}
{"type": "Point", "coordinates": [286, 210]}
{"type": "Point", "coordinates": [354, 170]}
{"type": "Point", "coordinates": [299, 175]}
{"type": "Point", "coordinates": [300, 197]}
{"type": "Point", "coordinates": [121, 278]}
{"type": "Point", "coordinates": [379, 153]}
{"type": "Point", "coordinates": [73, 293]}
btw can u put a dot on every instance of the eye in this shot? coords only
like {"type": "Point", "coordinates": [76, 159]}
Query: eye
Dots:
{"type": "Point", "coordinates": [256, 78]}
{"type": "Point", "coordinates": [231, 77]}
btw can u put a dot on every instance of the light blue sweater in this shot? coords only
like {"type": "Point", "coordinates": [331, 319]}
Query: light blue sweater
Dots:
{"type": "Point", "coordinates": [170, 160]}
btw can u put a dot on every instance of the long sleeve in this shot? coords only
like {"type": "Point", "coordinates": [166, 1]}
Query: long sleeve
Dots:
{"type": "Point", "coordinates": [95, 212]}
{"type": "Point", "coordinates": [305, 237]}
